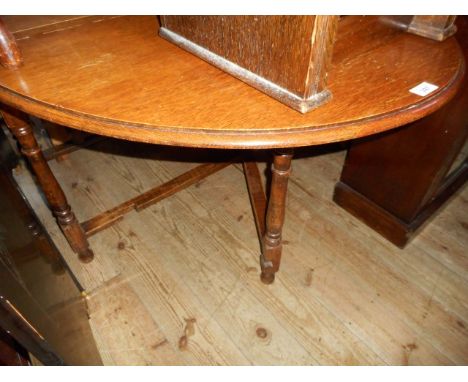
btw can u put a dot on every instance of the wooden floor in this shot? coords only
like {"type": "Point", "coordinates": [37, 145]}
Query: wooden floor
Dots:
{"type": "Point", "coordinates": [178, 283]}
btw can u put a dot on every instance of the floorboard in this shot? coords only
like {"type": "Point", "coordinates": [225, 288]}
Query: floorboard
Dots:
{"type": "Point", "coordinates": [178, 283]}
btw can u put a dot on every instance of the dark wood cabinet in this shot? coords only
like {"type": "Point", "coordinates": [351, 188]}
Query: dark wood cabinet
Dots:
{"type": "Point", "coordinates": [41, 305]}
{"type": "Point", "coordinates": [11, 352]}
{"type": "Point", "coordinates": [395, 181]}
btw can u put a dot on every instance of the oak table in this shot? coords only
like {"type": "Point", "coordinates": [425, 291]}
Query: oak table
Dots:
{"type": "Point", "coordinates": [113, 76]}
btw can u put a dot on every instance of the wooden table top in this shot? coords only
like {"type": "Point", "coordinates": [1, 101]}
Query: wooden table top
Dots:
{"type": "Point", "coordinates": [114, 76]}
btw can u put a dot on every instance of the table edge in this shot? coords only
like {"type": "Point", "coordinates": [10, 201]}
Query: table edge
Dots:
{"type": "Point", "coordinates": [232, 138]}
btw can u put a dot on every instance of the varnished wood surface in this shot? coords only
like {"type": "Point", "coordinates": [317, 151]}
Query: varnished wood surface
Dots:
{"type": "Point", "coordinates": [412, 165]}
{"type": "Point", "coordinates": [272, 243]}
{"type": "Point", "coordinates": [20, 127]}
{"type": "Point", "coordinates": [257, 195]}
{"type": "Point", "coordinates": [286, 57]}
{"type": "Point", "coordinates": [435, 27]}
{"type": "Point", "coordinates": [116, 77]}
{"type": "Point", "coordinates": [188, 266]}
{"type": "Point", "coordinates": [234, 38]}
{"type": "Point", "coordinates": [24, 27]}
{"type": "Point", "coordinates": [10, 55]}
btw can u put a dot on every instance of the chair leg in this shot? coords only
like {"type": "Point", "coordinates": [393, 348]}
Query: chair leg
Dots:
{"type": "Point", "coordinates": [272, 248]}
{"type": "Point", "coordinates": [17, 122]}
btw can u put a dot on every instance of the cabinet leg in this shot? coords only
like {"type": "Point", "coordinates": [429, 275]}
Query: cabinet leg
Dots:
{"type": "Point", "coordinates": [18, 123]}
{"type": "Point", "coordinates": [272, 248]}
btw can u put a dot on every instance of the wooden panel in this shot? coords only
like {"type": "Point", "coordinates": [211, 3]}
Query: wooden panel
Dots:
{"type": "Point", "coordinates": [41, 300]}
{"type": "Point", "coordinates": [292, 53]}
{"type": "Point", "coordinates": [257, 43]}
{"type": "Point", "coordinates": [11, 352]}
{"type": "Point", "coordinates": [409, 163]}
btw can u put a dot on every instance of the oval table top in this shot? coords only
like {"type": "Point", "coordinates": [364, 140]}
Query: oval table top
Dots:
{"type": "Point", "coordinates": [115, 76]}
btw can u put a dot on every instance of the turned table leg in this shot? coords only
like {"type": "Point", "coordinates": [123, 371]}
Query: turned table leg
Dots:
{"type": "Point", "coordinates": [271, 248]}
{"type": "Point", "coordinates": [18, 124]}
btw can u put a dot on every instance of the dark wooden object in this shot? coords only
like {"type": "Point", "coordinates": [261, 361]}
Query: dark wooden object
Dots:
{"type": "Point", "coordinates": [15, 323]}
{"type": "Point", "coordinates": [286, 57]}
{"type": "Point", "coordinates": [269, 216]}
{"type": "Point", "coordinates": [272, 246]}
{"type": "Point", "coordinates": [257, 196]}
{"type": "Point", "coordinates": [41, 308]}
{"type": "Point", "coordinates": [62, 150]}
{"type": "Point", "coordinates": [150, 197]}
{"type": "Point", "coordinates": [128, 87]}
{"type": "Point", "coordinates": [10, 55]}
{"type": "Point", "coordinates": [435, 27]}
{"type": "Point", "coordinates": [396, 181]}
{"type": "Point", "coordinates": [19, 126]}
{"type": "Point", "coordinates": [39, 240]}
{"type": "Point", "coordinates": [11, 352]}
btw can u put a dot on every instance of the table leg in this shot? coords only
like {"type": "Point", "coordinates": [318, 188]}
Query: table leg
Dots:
{"type": "Point", "coordinates": [272, 248]}
{"type": "Point", "coordinates": [17, 122]}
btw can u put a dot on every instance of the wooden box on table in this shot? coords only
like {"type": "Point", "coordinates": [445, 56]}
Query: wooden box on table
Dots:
{"type": "Point", "coordinates": [285, 57]}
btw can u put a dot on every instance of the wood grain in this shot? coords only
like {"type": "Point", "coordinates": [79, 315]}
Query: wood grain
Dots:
{"type": "Point", "coordinates": [272, 243]}
{"type": "Point", "coordinates": [256, 43]}
{"type": "Point", "coordinates": [124, 81]}
{"type": "Point", "coordinates": [341, 285]}
{"type": "Point", "coordinates": [345, 295]}
{"type": "Point", "coordinates": [257, 196]}
{"type": "Point", "coordinates": [412, 165]}
{"type": "Point", "coordinates": [10, 55]}
{"type": "Point", "coordinates": [436, 27]}
{"type": "Point", "coordinates": [20, 127]}
{"type": "Point", "coordinates": [286, 57]}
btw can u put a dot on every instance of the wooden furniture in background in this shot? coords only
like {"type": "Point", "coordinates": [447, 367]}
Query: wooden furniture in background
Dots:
{"type": "Point", "coordinates": [41, 305]}
{"type": "Point", "coordinates": [11, 352]}
{"type": "Point", "coordinates": [20, 127]}
{"type": "Point", "coordinates": [286, 57]}
{"type": "Point", "coordinates": [434, 27]}
{"type": "Point", "coordinates": [194, 256]}
{"type": "Point", "coordinates": [394, 182]}
{"type": "Point", "coordinates": [124, 82]}
{"type": "Point", "coordinates": [10, 55]}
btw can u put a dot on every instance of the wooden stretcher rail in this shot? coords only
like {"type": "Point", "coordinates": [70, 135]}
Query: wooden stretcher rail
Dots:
{"type": "Point", "coordinates": [257, 196]}
{"type": "Point", "coordinates": [67, 148]}
{"type": "Point", "coordinates": [142, 201]}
